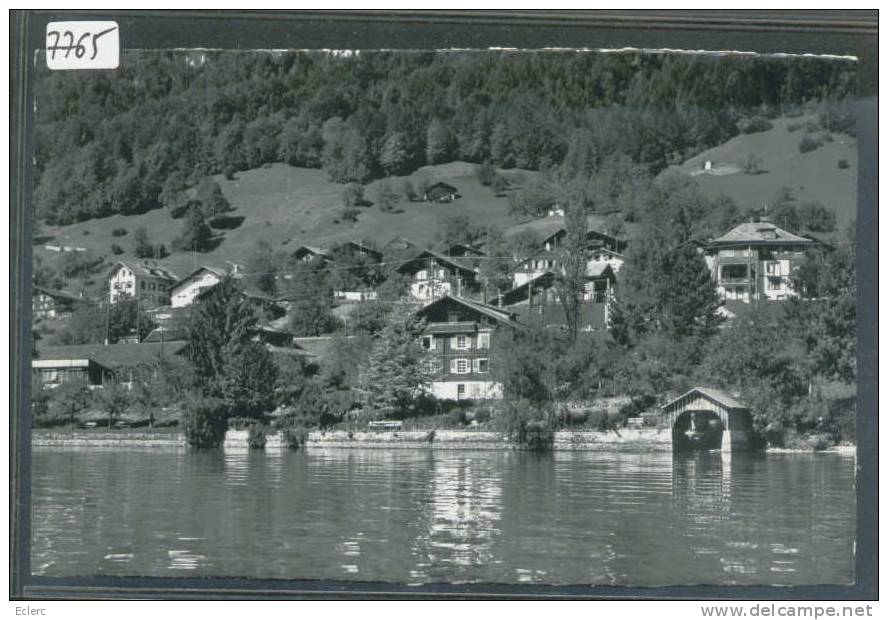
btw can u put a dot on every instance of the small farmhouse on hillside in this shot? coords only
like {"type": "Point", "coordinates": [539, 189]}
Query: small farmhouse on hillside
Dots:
{"type": "Point", "coordinates": [149, 283]}
{"type": "Point", "coordinates": [756, 260]}
{"type": "Point", "coordinates": [185, 291]}
{"type": "Point", "coordinates": [459, 337]}
{"type": "Point", "coordinates": [441, 192]}
{"type": "Point", "coordinates": [434, 276]}
{"type": "Point", "coordinates": [47, 303]}
{"type": "Point", "coordinates": [310, 254]}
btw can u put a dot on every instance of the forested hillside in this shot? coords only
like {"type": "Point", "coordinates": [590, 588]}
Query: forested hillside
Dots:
{"type": "Point", "coordinates": [135, 139]}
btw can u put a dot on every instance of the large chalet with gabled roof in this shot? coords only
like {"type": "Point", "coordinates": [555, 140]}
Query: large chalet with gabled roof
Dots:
{"type": "Point", "coordinates": [460, 337]}
{"type": "Point", "coordinates": [756, 261]}
{"type": "Point", "coordinates": [148, 283]}
{"type": "Point", "coordinates": [433, 275]}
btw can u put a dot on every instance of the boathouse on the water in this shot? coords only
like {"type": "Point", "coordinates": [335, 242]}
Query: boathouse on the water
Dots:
{"type": "Point", "coordinates": [708, 414]}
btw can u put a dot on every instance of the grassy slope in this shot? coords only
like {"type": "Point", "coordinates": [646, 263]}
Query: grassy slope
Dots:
{"type": "Point", "coordinates": [811, 176]}
{"type": "Point", "coordinates": [289, 206]}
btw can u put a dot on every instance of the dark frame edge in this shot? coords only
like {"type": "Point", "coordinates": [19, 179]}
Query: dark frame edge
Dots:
{"type": "Point", "coordinates": [865, 587]}
{"type": "Point", "coordinates": [20, 290]}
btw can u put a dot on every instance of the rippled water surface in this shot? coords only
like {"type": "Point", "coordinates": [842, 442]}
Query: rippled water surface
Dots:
{"type": "Point", "coordinates": [433, 516]}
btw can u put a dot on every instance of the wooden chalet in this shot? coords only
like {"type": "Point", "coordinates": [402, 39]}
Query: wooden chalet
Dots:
{"type": "Point", "coordinates": [433, 276]}
{"type": "Point", "coordinates": [460, 336]}
{"type": "Point", "coordinates": [441, 192]}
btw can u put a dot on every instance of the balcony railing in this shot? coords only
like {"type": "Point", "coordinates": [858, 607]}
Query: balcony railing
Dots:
{"type": "Point", "coordinates": [456, 327]}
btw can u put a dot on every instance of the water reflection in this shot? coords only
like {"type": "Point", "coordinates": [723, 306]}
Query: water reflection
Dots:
{"type": "Point", "coordinates": [420, 516]}
{"type": "Point", "coordinates": [460, 515]}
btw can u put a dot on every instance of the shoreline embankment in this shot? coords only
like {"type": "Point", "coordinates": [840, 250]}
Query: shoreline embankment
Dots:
{"type": "Point", "coordinates": [629, 440]}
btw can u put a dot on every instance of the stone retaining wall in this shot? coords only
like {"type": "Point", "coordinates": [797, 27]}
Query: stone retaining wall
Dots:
{"type": "Point", "coordinates": [627, 439]}
{"type": "Point", "coordinates": [107, 438]}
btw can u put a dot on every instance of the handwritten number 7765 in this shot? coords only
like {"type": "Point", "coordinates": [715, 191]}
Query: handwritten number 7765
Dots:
{"type": "Point", "coordinates": [79, 49]}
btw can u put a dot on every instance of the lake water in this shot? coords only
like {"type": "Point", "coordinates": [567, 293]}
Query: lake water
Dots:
{"type": "Point", "coordinates": [423, 516]}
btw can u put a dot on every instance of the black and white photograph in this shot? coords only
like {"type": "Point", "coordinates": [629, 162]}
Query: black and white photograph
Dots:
{"type": "Point", "coordinates": [463, 317]}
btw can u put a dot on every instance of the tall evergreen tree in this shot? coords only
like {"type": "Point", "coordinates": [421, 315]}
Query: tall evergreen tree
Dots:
{"type": "Point", "coordinates": [825, 314]}
{"type": "Point", "coordinates": [397, 369]}
{"type": "Point", "coordinates": [228, 364]}
{"type": "Point", "coordinates": [688, 300]}
{"type": "Point", "coordinates": [570, 277]}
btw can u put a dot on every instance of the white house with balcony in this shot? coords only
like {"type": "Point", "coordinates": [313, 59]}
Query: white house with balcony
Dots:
{"type": "Point", "coordinates": [149, 283]}
{"type": "Point", "coordinates": [756, 260]}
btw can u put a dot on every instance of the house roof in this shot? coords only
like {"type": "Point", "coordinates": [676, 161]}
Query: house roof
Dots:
{"type": "Point", "coordinates": [363, 248]}
{"type": "Point", "coordinates": [146, 271]}
{"type": "Point", "coordinates": [594, 269]}
{"type": "Point", "coordinates": [302, 250]}
{"type": "Point", "coordinates": [498, 314]}
{"type": "Point", "coordinates": [253, 292]}
{"type": "Point", "coordinates": [315, 346]}
{"type": "Point", "coordinates": [119, 355]}
{"type": "Point", "coordinates": [441, 185]}
{"type": "Point", "coordinates": [544, 279]}
{"type": "Point", "coordinates": [758, 233]}
{"type": "Point", "coordinates": [713, 394]}
{"type": "Point", "coordinates": [465, 249]}
{"type": "Point", "coordinates": [545, 227]}
{"type": "Point", "coordinates": [59, 295]}
{"type": "Point", "coordinates": [64, 363]}
{"type": "Point", "coordinates": [214, 270]}
{"type": "Point", "coordinates": [399, 241]}
{"type": "Point", "coordinates": [164, 334]}
{"type": "Point", "coordinates": [408, 266]}
{"type": "Point", "coordinates": [600, 269]}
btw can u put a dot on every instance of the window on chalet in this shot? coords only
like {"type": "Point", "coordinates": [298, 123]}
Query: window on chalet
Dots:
{"type": "Point", "coordinates": [460, 366]}
{"type": "Point", "coordinates": [428, 342]}
{"type": "Point", "coordinates": [481, 365]}
{"type": "Point", "coordinates": [460, 342]}
{"type": "Point", "coordinates": [483, 341]}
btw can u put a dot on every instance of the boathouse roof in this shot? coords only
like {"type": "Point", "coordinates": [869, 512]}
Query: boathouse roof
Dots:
{"type": "Point", "coordinates": [715, 395]}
